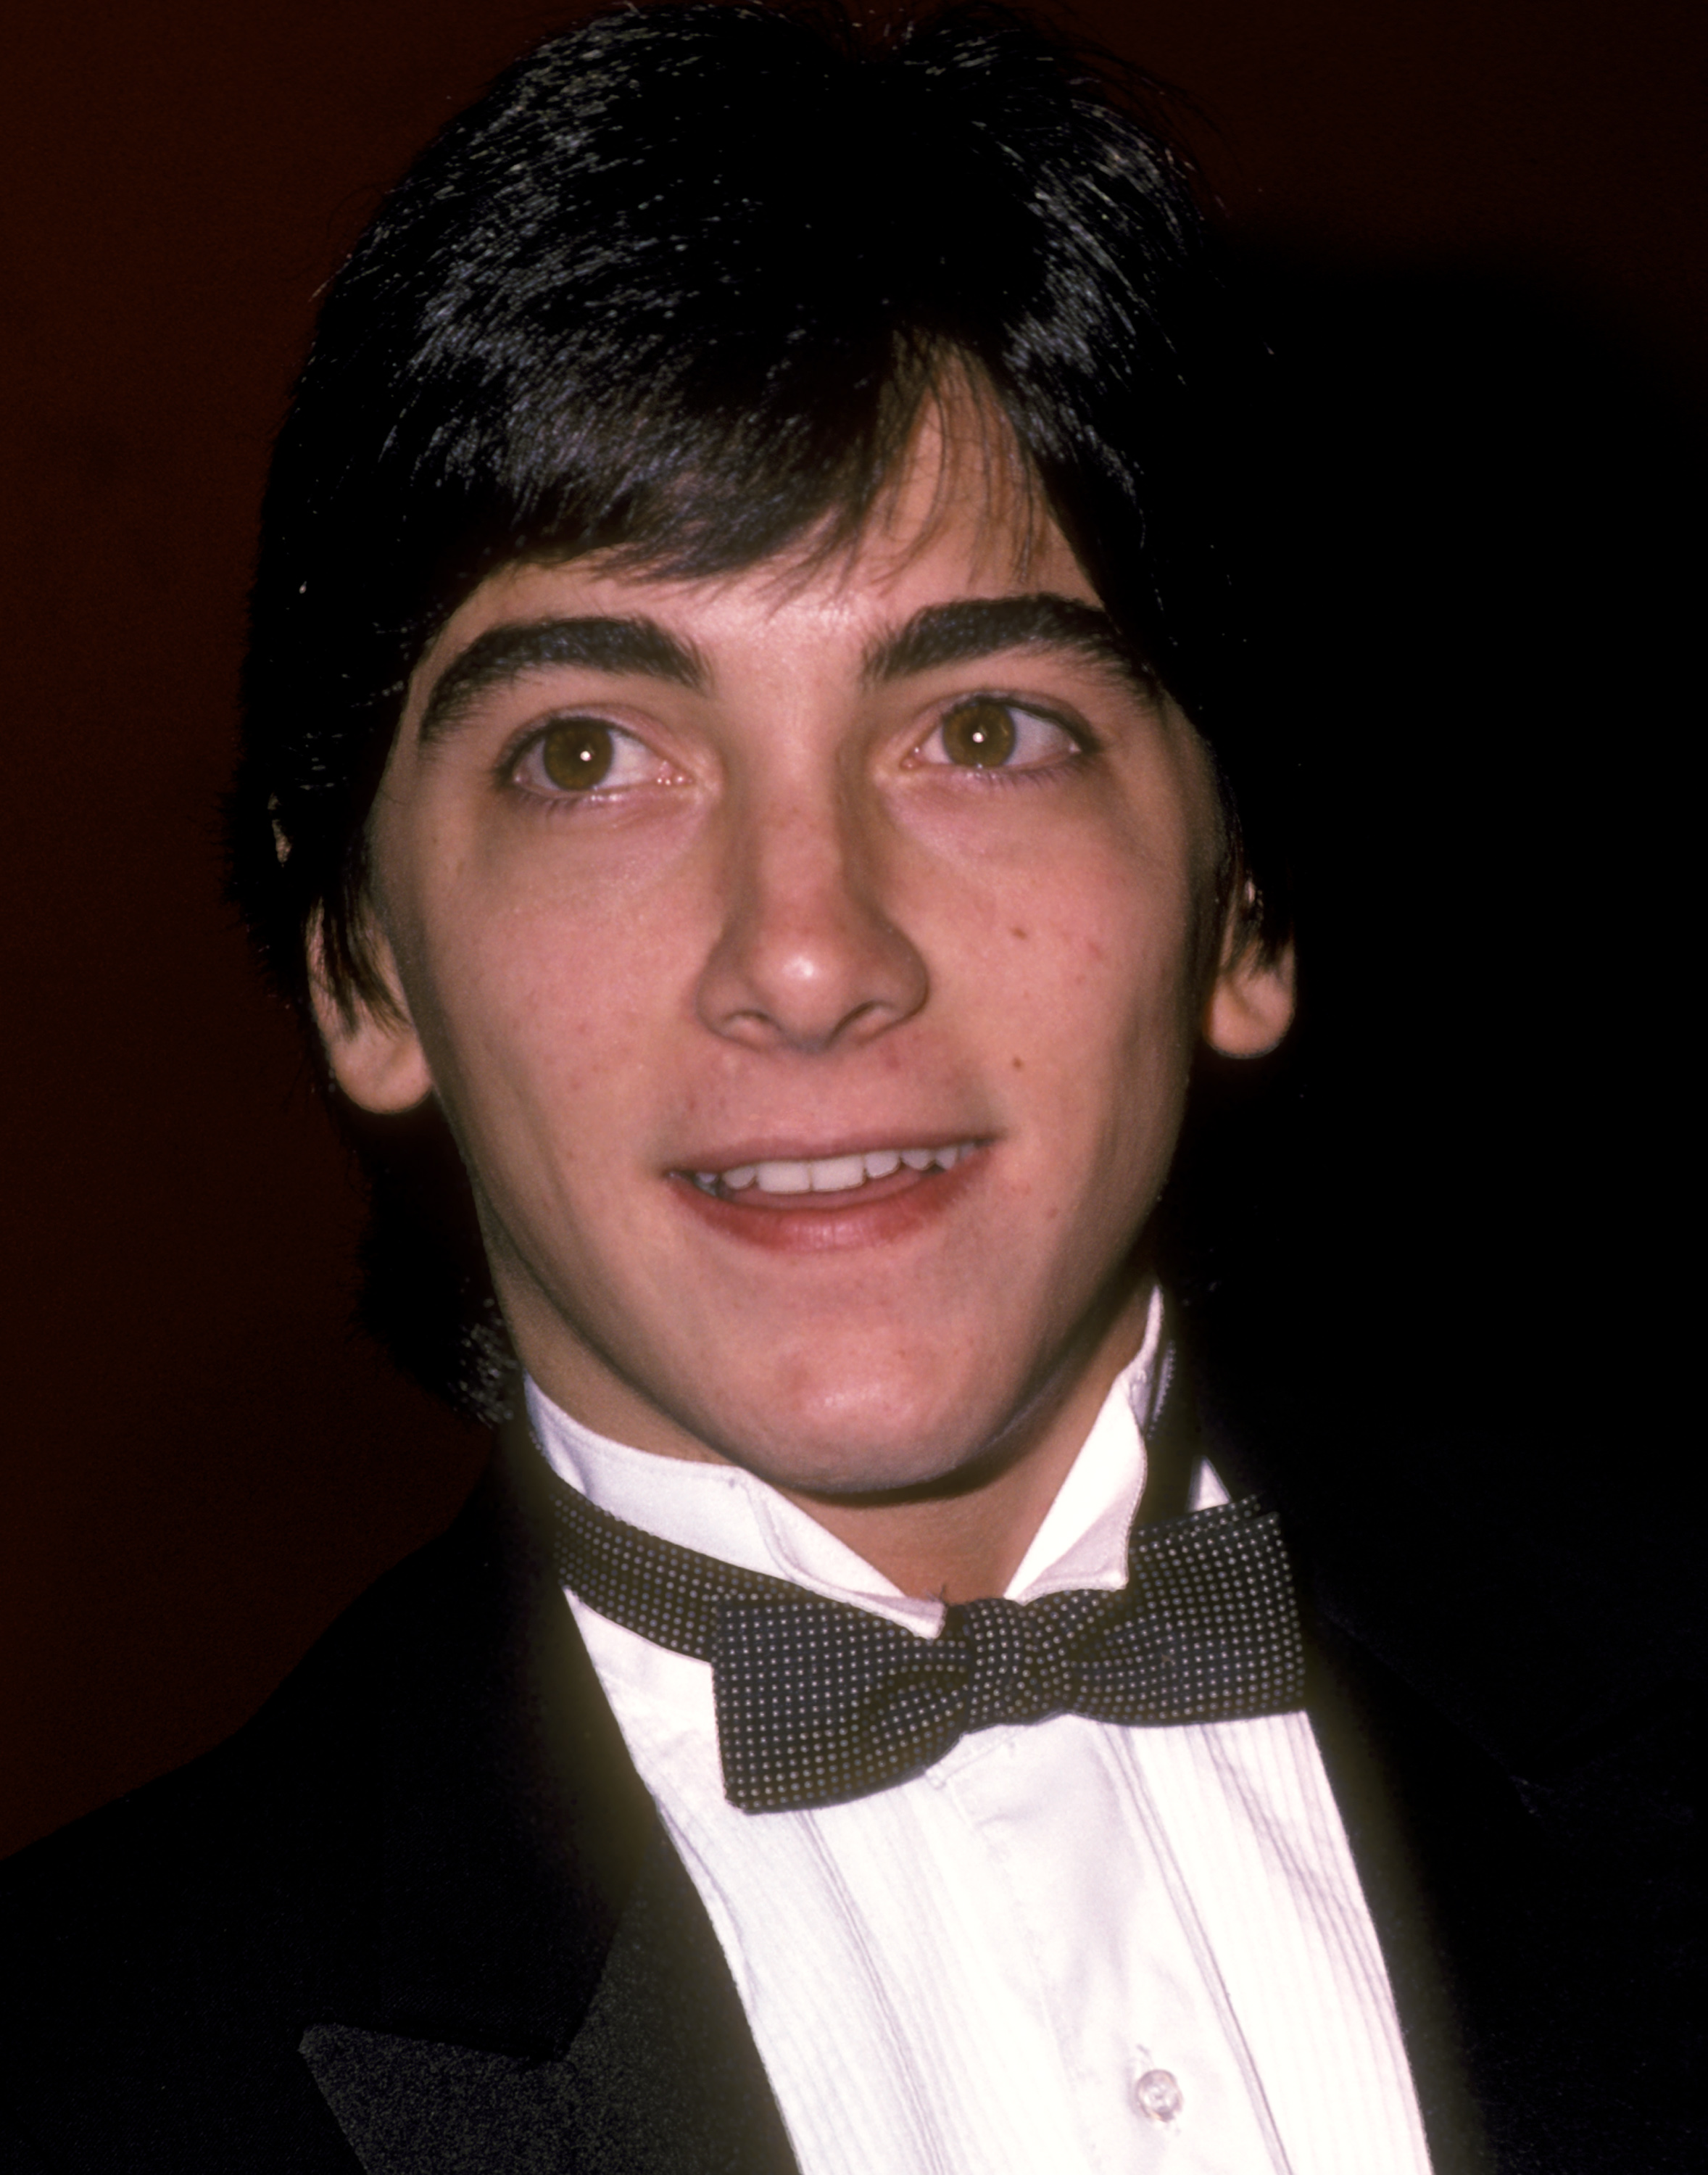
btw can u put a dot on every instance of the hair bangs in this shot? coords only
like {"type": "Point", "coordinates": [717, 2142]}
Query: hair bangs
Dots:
{"type": "Point", "coordinates": [802, 478]}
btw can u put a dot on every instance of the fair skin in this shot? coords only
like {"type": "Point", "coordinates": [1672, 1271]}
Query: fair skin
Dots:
{"type": "Point", "coordinates": [667, 917]}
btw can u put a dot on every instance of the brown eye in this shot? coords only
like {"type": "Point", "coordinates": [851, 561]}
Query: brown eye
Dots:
{"type": "Point", "coordinates": [980, 735]}
{"type": "Point", "coordinates": [577, 753]}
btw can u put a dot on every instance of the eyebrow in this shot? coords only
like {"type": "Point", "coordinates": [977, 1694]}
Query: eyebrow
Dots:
{"type": "Point", "coordinates": [955, 634]}
{"type": "Point", "coordinates": [505, 653]}
{"type": "Point", "coordinates": [973, 627]}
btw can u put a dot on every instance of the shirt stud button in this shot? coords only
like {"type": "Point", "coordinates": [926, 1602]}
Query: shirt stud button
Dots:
{"type": "Point", "coordinates": [1158, 2094]}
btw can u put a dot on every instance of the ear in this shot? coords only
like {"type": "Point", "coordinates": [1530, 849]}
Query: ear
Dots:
{"type": "Point", "coordinates": [371, 1042]}
{"type": "Point", "coordinates": [1251, 1001]}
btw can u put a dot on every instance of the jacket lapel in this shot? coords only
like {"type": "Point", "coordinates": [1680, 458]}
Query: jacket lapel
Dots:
{"type": "Point", "coordinates": [546, 1989]}
{"type": "Point", "coordinates": [1370, 1743]}
{"type": "Point", "coordinates": [1383, 1749]}
{"type": "Point", "coordinates": [661, 2079]}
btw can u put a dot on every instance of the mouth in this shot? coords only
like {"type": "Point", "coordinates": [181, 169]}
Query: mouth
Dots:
{"type": "Point", "coordinates": [855, 1199]}
{"type": "Point", "coordinates": [857, 1174]}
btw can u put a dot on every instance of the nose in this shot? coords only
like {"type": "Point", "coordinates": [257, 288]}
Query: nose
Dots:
{"type": "Point", "coordinates": [807, 958]}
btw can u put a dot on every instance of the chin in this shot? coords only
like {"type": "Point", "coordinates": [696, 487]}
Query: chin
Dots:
{"type": "Point", "coordinates": [866, 1454]}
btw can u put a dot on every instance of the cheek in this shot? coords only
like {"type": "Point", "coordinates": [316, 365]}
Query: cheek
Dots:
{"type": "Point", "coordinates": [1099, 1067]}
{"type": "Point", "coordinates": [531, 1011]}
{"type": "Point", "coordinates": [1101, 949]}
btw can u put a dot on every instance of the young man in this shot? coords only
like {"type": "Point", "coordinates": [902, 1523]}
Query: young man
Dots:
{"type": "Point", "coordinates": [745, 732]}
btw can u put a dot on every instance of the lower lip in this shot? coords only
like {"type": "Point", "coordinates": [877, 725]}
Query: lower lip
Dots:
{"type": "Point", "coordinates": [877, 1214]}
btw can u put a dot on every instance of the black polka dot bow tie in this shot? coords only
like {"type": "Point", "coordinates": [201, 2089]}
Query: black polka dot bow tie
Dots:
{"type": "Point", "coordinates": [818, 1701]}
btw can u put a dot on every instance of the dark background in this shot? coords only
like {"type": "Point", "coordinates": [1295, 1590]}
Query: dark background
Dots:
{"type": "Point", "coordinates": [1477, 229]}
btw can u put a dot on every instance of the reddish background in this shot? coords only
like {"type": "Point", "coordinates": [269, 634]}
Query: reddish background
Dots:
{"type": "Point", "coordinates": [202, 1462]}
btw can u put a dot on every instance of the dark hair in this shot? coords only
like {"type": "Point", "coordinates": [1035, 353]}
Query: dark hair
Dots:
{"type": "Point", "coordinates": [676, 288]}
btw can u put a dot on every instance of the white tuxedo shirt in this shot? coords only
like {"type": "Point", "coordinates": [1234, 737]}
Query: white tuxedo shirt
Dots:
{"type": "Point", "coordinates": [1069, 1945]}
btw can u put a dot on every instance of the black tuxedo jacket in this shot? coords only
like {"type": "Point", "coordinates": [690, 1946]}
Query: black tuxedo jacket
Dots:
{"type": "Point", "coordinates": [419, 1914]}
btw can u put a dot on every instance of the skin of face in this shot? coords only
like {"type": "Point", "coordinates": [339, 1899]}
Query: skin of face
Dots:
{"type": "Point", "coordinates": [890, 851]}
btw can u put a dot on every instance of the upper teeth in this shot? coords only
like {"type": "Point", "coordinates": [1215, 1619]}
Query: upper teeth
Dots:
{"type": "Point", "coordinates": [831, 1174]}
